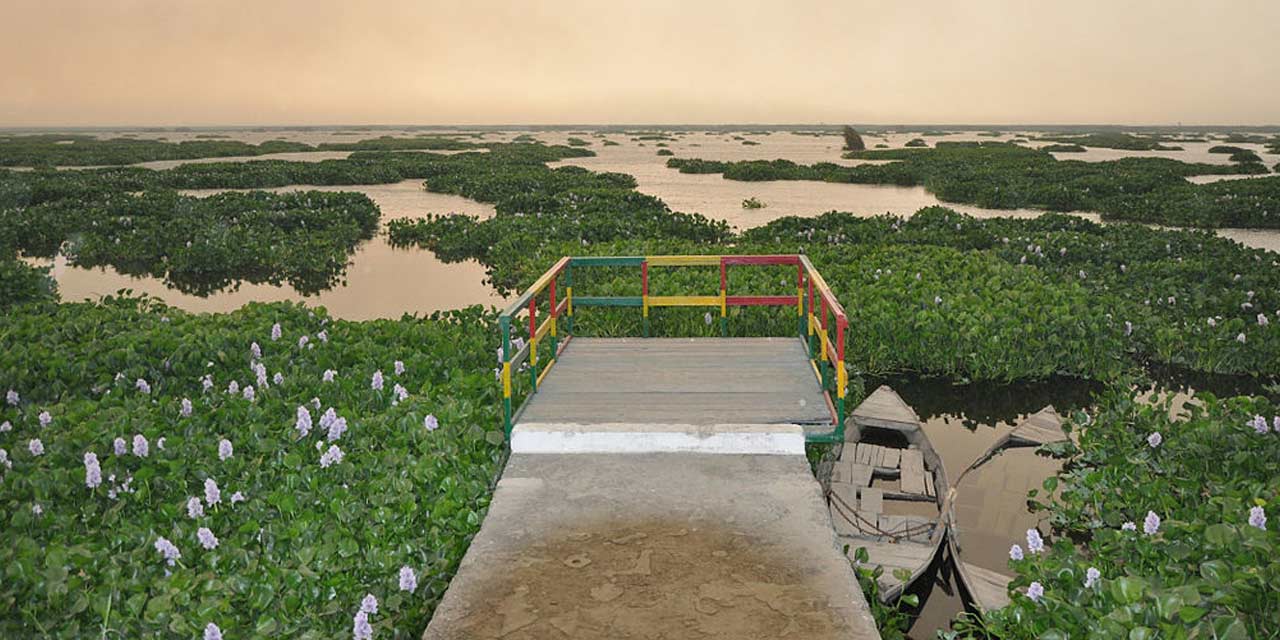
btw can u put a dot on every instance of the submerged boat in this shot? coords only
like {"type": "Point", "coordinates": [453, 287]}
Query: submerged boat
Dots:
{"type": "Point", "coordinates": [887, 492]}
{"type": "Point", "coordinates": [981, 588]}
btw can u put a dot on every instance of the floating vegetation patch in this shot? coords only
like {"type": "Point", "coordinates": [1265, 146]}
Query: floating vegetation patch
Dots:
{"type": "Point", "coordinates": [1063, 148]}
{"type": "Point", "coordinates": [83, 150]}
{"type": "Point", "coordinates": [916, 142]}
{"type": "Point", "coordinates": [1006, 176]}
{"type": "Point", "coordinates": [753, 203]}
{"type": "Point", "coordinates": [1115, 140]}
{"type": "Point", "coordinates": [666, 152]}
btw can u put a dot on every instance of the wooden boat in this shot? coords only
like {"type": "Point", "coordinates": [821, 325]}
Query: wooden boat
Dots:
{"type": "Point", "coordinates": [887, 492]}
{"type": "Point", "coordinates": [981, 588]}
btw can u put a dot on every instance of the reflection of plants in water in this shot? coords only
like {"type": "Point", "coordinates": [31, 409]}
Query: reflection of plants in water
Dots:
{"type": "Point", "coordinates": [988, 403]}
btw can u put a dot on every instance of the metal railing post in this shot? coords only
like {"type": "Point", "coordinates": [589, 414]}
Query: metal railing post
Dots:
{"type": "Point", "coordinates": [568, 297]}
{"type": "Point", "coordinates": [724, 299]}
{"type": "Point", "coordinates": [533, 344]}
{"type": "Point", "coordinates": [504, 322]}
{"type": "Point", "coordinates": [644, 294]}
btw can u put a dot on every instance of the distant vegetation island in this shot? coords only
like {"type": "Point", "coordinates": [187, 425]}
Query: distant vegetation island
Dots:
{"type": "Point", "coordinates": [1115, 140]}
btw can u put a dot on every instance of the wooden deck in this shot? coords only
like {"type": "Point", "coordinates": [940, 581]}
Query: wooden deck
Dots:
{"type": "Point", "coordinates": [692, 381]}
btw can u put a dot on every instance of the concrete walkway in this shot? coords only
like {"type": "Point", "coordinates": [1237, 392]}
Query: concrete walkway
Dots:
{"type": "Point", "coordinates": [674, 545]}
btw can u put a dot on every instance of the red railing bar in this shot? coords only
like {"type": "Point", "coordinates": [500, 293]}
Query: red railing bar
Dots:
{"type": "Point", "coordinates": [760, 301]}
{"type": "Point", "coordinates": [764, 259]}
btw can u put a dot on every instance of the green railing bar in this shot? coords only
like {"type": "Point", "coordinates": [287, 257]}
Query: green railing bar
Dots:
{"type": "Point", "coordinates": [606, 261]}
{"type": "Point", "coordinates": [608, 301]}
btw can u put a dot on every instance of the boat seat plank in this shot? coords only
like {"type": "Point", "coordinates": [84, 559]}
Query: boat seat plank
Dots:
{"type": "Point", "coordinates": [872, 500]}
{"type": "Point", "coordinates": [846, 492]}
{"type": "Point", "coordinates": [891, 458]}
{"type": "Point", "coordinates": [912, 466]}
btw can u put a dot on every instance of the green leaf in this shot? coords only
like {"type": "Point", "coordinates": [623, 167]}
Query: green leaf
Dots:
{"type": "Point", "coordinates": [1128, 589]}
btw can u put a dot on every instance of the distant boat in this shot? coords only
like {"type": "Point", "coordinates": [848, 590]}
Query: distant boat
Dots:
{"type": "Point", "coordinates": [981, 588]}
{"type": "Point", "coordinates": [887, 492]}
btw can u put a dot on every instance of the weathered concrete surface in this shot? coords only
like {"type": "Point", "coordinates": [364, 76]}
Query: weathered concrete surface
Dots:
{"type": "Point", "coordinates": [654, 546]}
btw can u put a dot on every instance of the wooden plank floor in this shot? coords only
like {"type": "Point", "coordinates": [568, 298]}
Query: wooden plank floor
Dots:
{"type": "Point", "coordinates": [697, 381]}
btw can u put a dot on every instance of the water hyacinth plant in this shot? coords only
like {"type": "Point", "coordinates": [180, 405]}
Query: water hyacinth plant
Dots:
{"type": "Point", "coordinates": [1203, 564]}
{"type": "Point", "coordinates": [155, 540]}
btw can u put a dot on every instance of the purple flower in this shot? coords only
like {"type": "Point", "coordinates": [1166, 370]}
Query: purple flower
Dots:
{"type": "Point", "coordinates": [328, 417]}
{"type": "Point", "coordinates": [237, 497]}
{"type": "Point", "coordinates": [1155, 439]}
{"type": "Point", "coordinates": [1258, 518]}
{"type": "Point", "coordinates": [376, 382]}
{"type": "Point", "coordinates": [1128, 526]}
{"type": "Point", "coordinates": [119, 446]}
{"type": "Point", "coordinates": [369, 604]}
{"type": "Point", "coordinates": [224, 450]}
{"type": "Point", "coordinates": [37, 509]}
{"type": "Point", "coordinates": [1275, 424]}
{"type": "Point", "coordinates": [255, 351]}
{"type": "Point", "coordinates": [399, 366]}
{"type": "Point", "coordinates": [1128, 328]}
{"type": "Point", "coordinates": [330, 457]}
{"type": "Point", "coordinates": [1212, 322]}
{"type": "Point", "coordinates": [430, 422]}
{"type": "Point", "coordinates": [1259, 424]}
{"type": "Point", "coordinates": [6, 426]}
{"type": "Point", "coordinates": [44, 418]}
{"type": "Point", "coordinates": [4, 459]}
{"type": "Point", "coordinates": [323, 335]}
{"type": "Point", "coordinates": [140, 446]}
{"type": "Point", "coordinates": [302, 342]}
{"type": "Point", "coordinates": [185, 411]}
{"type": "Point", "coordinates": [328, 375]}
{"type": "Point", "coordinates": [1151, 524]}
{"type": "Point", "coordinates": [1035, 544]}
{"type": "Point", "coordinates": [1241, 339]}
{"type": "Point", "coordinates": [1262, 320]}
{"type": "Point", "coordinates": [1091, 577]}
{"type": "Point", "coordinates": [212, 632]}
{"type": "Point", "coordinates": [278, 378]}
{"type": "Point", "coordinates": [276, 332]}
{"type": "Point", "coordinates": [36, 447]}
{"type": "Point", "coordinates": [207, 539]}
{"type": "Point", "coordinates": [303, 422]}
{"type": "Point", "coordinates": [361, 630]}
{"type": "Point", "coordinates": [160, 444]}
{"type": "Point", "coordinates": [206, 383]}
{"type": "Point", "coordinates": [212, 495]}
{"type": "Point", "coordinates": [1015, 552]}
{"type": "Point", "coordinates": [12, 398]}
{"type": "Point", "coordinates": [408, 581]}
{"type": "Point", "coordinates": [92, 470]}
{"type": "Point", "coordinates": [170, 552]}
{"type": "Point", "coordinates": [399, 394]}
{"type": "Point", "coordinates": [707, 318]}
{"type": "Point", "coordinates": [337, 428]}
{"type": "Point", "coordinates": [195, 508]}
{"type": "Point", "coordinates": [1035, 591]}
{"type": "Point", "coordinates": [248, 394]}
{"type": "Point", "coordinates": [233, 387]}
{"type": "Point", "coordinates": [143, 386]}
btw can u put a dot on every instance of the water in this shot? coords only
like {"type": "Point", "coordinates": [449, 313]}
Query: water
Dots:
{"type": "Point", "coordinates": [381, 281]}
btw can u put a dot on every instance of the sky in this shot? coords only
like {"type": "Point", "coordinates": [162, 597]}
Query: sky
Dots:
{"type": "Point", "coordinates": [317, 62]}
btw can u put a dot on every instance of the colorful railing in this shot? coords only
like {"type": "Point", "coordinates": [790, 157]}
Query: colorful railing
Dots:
{"type": "Point", "coordinates": [817, 310]}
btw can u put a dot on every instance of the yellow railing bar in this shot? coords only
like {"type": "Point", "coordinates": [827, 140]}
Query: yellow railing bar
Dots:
{"type": "Point", "coordinates": [683, 261]}
{"type": "Point", "coordinates": [685, 301]}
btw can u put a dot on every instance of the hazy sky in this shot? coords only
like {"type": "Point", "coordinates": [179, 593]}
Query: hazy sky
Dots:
{"type": "Point", "coordinates": [209, 62]}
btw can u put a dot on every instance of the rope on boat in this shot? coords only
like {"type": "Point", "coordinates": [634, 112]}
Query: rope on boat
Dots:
{"type": "Point", "coordinates": [842, 507]}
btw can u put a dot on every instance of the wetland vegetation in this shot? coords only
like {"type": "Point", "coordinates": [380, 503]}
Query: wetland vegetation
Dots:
{"type": "Point", "coordinates": [1006, 176]}
{"type": "Point", "coordinates": [937, 294]}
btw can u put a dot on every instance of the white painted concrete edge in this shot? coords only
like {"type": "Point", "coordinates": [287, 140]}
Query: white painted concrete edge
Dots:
{"type": "Point", "coordinates": [730, 439]}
